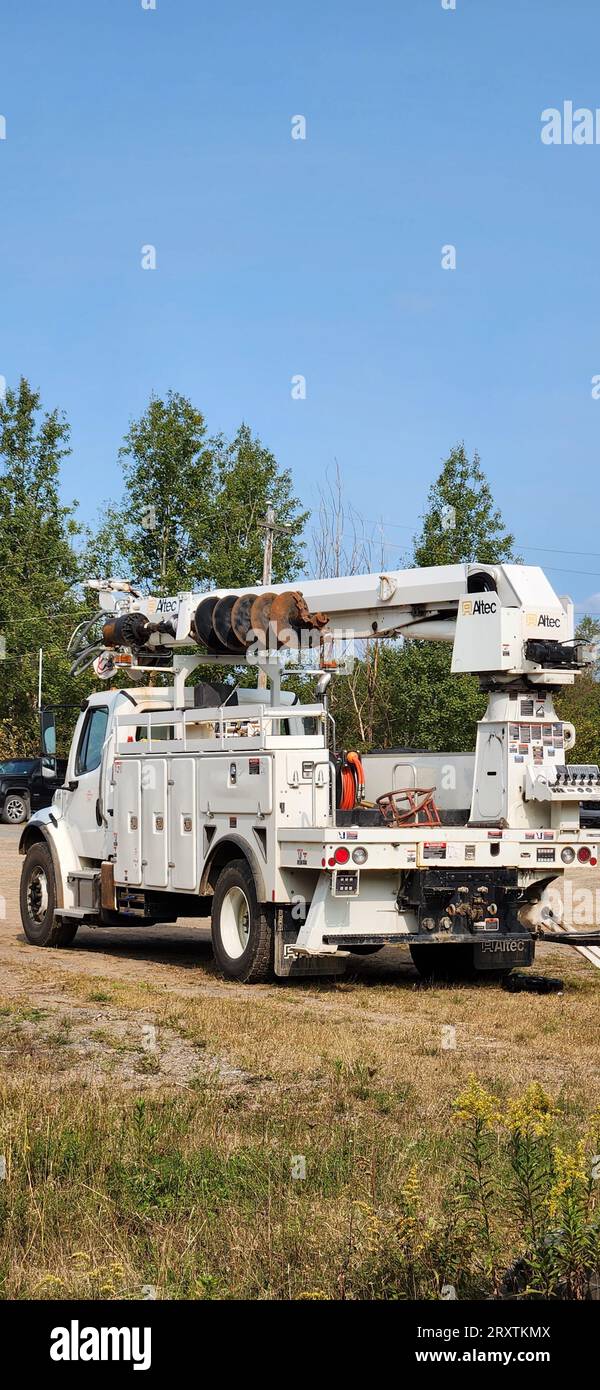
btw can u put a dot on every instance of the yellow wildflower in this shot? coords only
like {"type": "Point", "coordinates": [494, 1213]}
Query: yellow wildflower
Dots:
{"type": "Point", "coordinates": [477, 1103]}
{"type": "Point", "coordinates": [571, 1176]}
{"type": "Point", "coordinates": [531, 1115]}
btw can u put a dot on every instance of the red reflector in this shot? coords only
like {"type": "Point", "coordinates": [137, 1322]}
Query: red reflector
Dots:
{"type": "Point", "coordinates": [323, 862]}
{"type": "Point", "coordinates": [331, 863]}
{"type": "Point", "coordinates": [584, 854]}
{"type": "Point", "coordinates": [593, 861]}
{"type": "Point", "coordinates": [342, 855]}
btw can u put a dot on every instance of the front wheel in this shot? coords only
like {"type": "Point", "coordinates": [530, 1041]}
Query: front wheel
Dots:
{"type": "Point", "coordinates": [242, 934]}
{"type": "Point", "coordinates": [38, 901]}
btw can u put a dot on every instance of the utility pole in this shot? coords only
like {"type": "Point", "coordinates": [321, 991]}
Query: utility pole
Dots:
{"type": "Point", "coordinates": [270, 528]}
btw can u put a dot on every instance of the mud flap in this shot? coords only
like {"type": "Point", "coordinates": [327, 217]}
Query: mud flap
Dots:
{"type": "Point", "coordinates": [503, 954]}
{"type": "Point", "coordinates": [288, 963]}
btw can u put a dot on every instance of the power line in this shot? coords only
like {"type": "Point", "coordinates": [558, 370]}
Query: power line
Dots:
{"type": "Point", "coordinates": [542, 549]}
{"type": "Point", "coordinates": [392, 545]}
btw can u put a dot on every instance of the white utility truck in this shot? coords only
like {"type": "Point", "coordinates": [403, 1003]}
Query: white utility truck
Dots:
{"type": "Point", "coordinates": [208, 799]}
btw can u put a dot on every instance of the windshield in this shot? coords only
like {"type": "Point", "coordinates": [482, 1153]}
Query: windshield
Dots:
{"type": "Point", "coordinates": [16, 767]}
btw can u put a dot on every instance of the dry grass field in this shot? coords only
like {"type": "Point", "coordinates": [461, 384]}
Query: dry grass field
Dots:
{"type": "Point", "coordinates": [165, 1133]}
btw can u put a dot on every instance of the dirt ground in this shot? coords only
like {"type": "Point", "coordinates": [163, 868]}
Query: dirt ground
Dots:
{"type": "Point", "coordinates": [92, 1011]}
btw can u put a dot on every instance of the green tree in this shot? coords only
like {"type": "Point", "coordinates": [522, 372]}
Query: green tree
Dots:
{"type": "Point", "coordinates": [159, 534]}
{"type": "Point", "coordinates": [403, 693]}
{"type": "Point", "coordinates": [588, 630]}
{"type": "Point", "coordinates": [247, 479]}
{"type": "Point", "coordinates": [579, 704]}
{"type": "Point", "coordinates": [191, 511]}
{"type": "Point", "coordinates": [461, 523]}
{"type": "Point", "coordinates": [430, 707]}
{"type": "Point", "coordinates": [40, 603]}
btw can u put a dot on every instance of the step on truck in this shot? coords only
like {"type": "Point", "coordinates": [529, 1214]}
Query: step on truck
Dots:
{"type": "Point", "coordinates": [194, 798]}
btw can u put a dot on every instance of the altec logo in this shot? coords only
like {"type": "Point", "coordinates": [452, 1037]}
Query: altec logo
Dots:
{"type": "Point", "coordinates": [478, 605]}
{"type": "Point", "coordinates": [542, 620]}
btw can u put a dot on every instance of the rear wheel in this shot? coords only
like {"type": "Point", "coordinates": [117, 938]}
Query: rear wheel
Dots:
{"type": "Point", "coordinates": [450, 963]}
{"type": "Point", "coordinates": [15, 809]}
{"type": "Point", "coordinates": [242, 933]}
{"type": "Point", "coordinates": [38, 901]}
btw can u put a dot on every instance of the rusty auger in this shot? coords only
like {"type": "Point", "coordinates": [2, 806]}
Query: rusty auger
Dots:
{"type": "Point", "coordinates": [232, 623]}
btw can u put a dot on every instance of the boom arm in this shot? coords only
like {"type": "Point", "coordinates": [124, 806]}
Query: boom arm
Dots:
{"type": "Point", "coordinates": [505, 621]}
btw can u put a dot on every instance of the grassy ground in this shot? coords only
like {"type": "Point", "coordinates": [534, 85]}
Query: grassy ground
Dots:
{"type": "Point", "coordinates": [167, 1133]}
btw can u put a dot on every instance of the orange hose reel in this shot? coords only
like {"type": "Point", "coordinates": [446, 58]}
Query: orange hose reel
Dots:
{"type": "Point", "coordinates": [352, 778]}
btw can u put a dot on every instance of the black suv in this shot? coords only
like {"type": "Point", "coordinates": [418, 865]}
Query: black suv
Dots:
{"type": "Point", "coordinates": [26, 784]}
{"type": "Point", "coordinates": [590, 815]}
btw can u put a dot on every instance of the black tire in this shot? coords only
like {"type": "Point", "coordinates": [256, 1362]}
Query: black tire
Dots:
{"type": "Point", "coordinates": [15, 809]}
{"type": "Point", "coordinates": [441, 962]}
{"type": "Point", "coordinates": [38, 901]}
{"type": "Point", "coordinates": [237, 915]}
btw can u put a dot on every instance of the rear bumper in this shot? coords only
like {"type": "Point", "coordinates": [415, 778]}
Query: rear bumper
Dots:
{"type": "Point", "coordinates": [533, 852]}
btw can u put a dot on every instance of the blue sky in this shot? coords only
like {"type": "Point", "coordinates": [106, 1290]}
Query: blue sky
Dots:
{"type": "Point", "coordinates": [321, 257]}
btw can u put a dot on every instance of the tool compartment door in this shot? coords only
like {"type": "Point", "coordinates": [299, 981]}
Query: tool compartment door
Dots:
{"type": "Point", "coordinates": [154, 823]}
{"type": "Point", "coordinates": [236, 784]}
{"type": "Point", "coordinates": [183, 843]}
{"type": "Point", "coordinates": [128, 820]}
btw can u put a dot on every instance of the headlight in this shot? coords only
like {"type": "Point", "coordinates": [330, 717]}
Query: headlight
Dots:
{"type": "Point", "coordinates": [359, 855]}
{"type": "Point", "coordinates": [567, 855]}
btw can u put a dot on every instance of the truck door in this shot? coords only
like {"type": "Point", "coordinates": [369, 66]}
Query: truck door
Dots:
{"type": "Point", "coordinates": [82, 813]}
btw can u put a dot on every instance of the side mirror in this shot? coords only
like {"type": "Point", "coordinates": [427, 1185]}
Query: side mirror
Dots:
{"type": "Point", "coordinates": [48, 732]}
{"type": "Point", "coordinates": [49, 768]}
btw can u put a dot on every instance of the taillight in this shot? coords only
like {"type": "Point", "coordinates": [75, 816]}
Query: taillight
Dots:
{"type": "Point", "coordinates": [342, 855]}
{"type": "Point", "coordinates": [584, 854]}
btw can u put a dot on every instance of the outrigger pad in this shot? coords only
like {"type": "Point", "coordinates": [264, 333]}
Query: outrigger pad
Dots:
{"type": "Point", "coordinates": [533, 984]}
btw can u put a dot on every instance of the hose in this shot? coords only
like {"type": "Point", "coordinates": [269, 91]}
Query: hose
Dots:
{"type": "Point", "coordinates": [352, 782]}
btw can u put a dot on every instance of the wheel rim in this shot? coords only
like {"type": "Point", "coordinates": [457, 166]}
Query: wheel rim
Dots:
{"type": "Point", "coordinates": [235, 922]}
{"type": "Point", "coordinates": [14, 809]}
{"type": "Point", "coordinates": [37, 896]}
